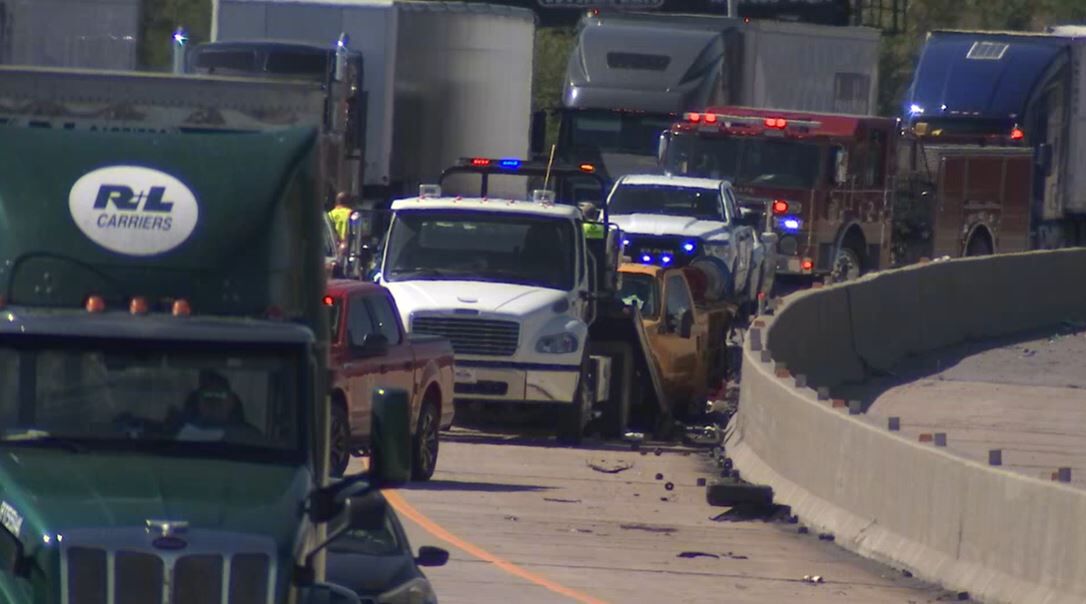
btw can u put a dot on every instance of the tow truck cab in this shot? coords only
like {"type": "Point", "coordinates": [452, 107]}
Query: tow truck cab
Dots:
{"type": "Point", "coordinates": [163, 412]}
{"type": "Point", "coordinates": [822, 182]}
{"type": "Point", "coordinates": [513, 284]}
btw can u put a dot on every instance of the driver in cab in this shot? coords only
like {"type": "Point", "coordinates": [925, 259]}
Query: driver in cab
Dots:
{"type": "Point", "coordinates": [213, 412]}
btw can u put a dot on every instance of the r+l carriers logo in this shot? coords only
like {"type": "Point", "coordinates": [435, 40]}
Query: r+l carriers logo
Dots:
{"type": "Point", "coordinates": [133, 210]}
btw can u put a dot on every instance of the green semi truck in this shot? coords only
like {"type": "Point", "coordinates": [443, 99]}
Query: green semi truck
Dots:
{"type": "Point", "coordinates": [163, 364]}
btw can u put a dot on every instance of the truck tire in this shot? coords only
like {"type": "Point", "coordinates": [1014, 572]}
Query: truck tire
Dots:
{"type": "Point", "coordinates": [339, 445]}
{"type": "Point", "coordinates": [424, 444]}
{"type": "Point", "coordinates": [847, 266]}
{"type": "Point", "coordinates": [574, 417]}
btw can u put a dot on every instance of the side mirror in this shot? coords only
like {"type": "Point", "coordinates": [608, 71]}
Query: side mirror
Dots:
{"type": "Point", "coordinates": [367, 512]}
{"type": "Point", "coordinates": [372, 345]}
{"type": "Point", "coordinates": [432, 556]}
{"type": "Point", "coordinates": [686, 323]}
{"type": "Point", "coordinates": [539, 132]}
{"type": "Point", "coordinates": [840, 172]}
{"type": "Point", "coordinates": [327, 593]}
{"type": "Point", "coordinates": [661, 148]}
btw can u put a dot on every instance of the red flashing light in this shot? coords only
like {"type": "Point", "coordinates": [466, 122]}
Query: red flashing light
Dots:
{"type": "Point", "coordinates": [780, 206]}
{"type": "Point", "coordinates": [95, 304]}
{"type": "Point", "coordinates": [693, 118]}
{"type": "Point", "coordinates": [588, 168]}
{"type": "Point", "coordinates": [710, 118]}
{"type": "Point", "coordinates": [329, 300]}
{"type": "Point", "coordinates": [181, 308]}
{"type": "Point", "coordinates": [776, 122]}
{"type": "Point", "coordinates": [138, 306]}
{"type": "Point", "coordinates": [480, 162]}
{"type": "Point", "coordinates": [808, 264]}
{"type": "Point", "coordinates": [1017, 134]}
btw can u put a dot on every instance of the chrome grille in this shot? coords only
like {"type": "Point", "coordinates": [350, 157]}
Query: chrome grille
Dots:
{"type": "Point", "coordinates": [484, 337]}
{"type": "Point", "coordinates": [121, 566]}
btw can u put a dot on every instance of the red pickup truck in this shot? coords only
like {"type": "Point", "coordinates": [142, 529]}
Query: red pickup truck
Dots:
{"type": "Point", "coordinates": [371, 350]}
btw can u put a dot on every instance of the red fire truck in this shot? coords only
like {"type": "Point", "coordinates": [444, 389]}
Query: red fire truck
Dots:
{"type": "Point", "coordinates": [850, 194]}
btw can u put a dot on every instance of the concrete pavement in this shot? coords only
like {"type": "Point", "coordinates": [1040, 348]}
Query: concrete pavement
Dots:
{"type": "Point", "coordinates": [525, 517]}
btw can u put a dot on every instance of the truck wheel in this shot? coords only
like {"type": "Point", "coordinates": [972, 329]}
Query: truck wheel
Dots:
{"type": "Point", "coordinates": [573, 418]}
{"type": "Point", "coordinates": [424, 447]}
{"type": "Point", "coordinates": [846, 266]}
{"type": "Point", "coordinates": [340, 445]}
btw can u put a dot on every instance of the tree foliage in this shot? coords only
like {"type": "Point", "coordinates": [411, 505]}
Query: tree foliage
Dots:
{"type": "Point", "coordinates": [160, 18]}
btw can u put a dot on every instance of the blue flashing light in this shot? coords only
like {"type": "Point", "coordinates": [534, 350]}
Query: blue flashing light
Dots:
{"type": "Point", "coordinates": [180, 37]}
{"type": "Point", "coordinates": [790, 224]}
{"type": "Point", "coordinates": [343, 40]}
{"type": "Point", "coordinates": [510, 164]}
{"type": "Point", "coordinates": [646, 258]}
{"type": "Point", "coordinates": [915, 109]}
{"type": "Point", "coordinates": [625, 242]}
{"type": "Point", "coordinates": [689, 246]}
{"type": "Point", "coordinates": [665, 259]}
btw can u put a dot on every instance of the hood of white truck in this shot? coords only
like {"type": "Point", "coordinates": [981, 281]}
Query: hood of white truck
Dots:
{"type": "Point", "coordinates": [484, 297]}
{"type": "Point", "coordinates": [659, 224]}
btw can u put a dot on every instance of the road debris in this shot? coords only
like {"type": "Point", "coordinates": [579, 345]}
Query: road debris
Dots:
{"type": "Point", "coordinates": [670, 486]}
{"type": "Point", "coordinates": [511, 517]}
{"type": "Point", "coordinates": [813, 579]}
{"type": "Point", "coordinates": [557, 500]}
{"type": "Point", "coordinates": [697, 555]}
{"type": "Point", "coordinates": [825, 536]}
{"type": "Point", "coordinates": [609, 469]}
{"type": "Point", "coordinates": [648, 528]}
{"type": "Point", "coordinates": [659, 476]}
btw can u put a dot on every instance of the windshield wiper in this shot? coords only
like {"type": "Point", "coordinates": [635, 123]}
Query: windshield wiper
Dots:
{"type": "Point", "coordinates": [40, 437]}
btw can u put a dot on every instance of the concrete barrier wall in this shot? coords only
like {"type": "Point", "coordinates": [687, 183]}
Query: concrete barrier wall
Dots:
{"type": "Point", "coordinates": [1003, 537]}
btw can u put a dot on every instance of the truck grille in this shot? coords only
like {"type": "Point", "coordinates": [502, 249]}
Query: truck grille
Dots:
{"type": "Point", "coordinates": [484, 337]}
{"type": "Point", "coordinates": [144, 575]}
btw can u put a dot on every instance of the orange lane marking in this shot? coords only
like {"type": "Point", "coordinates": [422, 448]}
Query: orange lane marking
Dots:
{"type": "Point", "coordinates": [406, 509]}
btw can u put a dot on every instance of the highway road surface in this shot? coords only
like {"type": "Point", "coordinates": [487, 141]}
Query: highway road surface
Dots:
{"type": "Point", "coordinates": [1024, 395]}
{"type": "Point", "coordinates": [527, 521]}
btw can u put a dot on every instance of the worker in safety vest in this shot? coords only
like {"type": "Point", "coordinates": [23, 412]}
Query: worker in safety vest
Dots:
{"type": "Point", "coordinates": [341, 215]}
{"type": "Point", "coordinates": [592, 229]}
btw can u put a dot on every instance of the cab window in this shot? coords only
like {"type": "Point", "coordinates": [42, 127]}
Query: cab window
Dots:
{"type": "Point", "coordinates": [678, 300]}
{"type": "Point", "coordinates": [384, 317]}
{"type": "Point", "coordinates": [359, 323]}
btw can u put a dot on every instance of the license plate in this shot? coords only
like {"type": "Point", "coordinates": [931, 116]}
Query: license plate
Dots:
{"type": "Point", "coordinates": [465, 376]}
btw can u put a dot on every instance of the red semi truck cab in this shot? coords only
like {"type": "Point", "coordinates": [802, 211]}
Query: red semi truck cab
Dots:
{"type": "Point", "coordinates": [823, 182]}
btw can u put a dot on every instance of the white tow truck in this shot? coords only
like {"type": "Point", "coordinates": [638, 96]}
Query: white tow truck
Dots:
{"type": "Point", "coordinates": [525, 290]}
{"type": "Point", "coordinates": [673, 221]}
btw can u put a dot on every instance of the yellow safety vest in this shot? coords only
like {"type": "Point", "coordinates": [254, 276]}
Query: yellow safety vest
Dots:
{"type": "Point", "coordinates": [340, 218]}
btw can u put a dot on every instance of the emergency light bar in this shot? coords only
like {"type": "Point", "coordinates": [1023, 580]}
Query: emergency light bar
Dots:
{"type": "Point", "coordinates": [515, 164]}
{"type": "Point", "coordinates": [778, 123]}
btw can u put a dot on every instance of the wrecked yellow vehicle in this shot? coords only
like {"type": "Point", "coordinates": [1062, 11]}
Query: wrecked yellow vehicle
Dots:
{"type": "Point", "coordinates": [686, 327]}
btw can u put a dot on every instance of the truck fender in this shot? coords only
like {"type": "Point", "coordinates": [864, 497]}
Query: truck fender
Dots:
{"type": "Point", "coordinates": [839, 239]}
{"type": "Point", "coordinates": [430, 376]}
{"type": "Point", "coordinates": [978, 228]}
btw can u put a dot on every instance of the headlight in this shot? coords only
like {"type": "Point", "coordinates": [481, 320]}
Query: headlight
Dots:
{"type": "Point", "coordinates": [559, 343]}
{"type": "Point", "coordinates": [415, 591]}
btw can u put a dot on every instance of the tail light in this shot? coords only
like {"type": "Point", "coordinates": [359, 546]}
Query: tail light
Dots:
{"type": "Point", "coordinates": [329, 300]}
{"type": "Point", "coordinates": [709, 118]}
{"type": "Point", "coordinates": [808, 264]}
{"type": "Point", "coordinates": [1017, 134]}
{"type": "Point", "coordinates": [776, 122]}
{"type": "Point", "coordinates": [780, 207]}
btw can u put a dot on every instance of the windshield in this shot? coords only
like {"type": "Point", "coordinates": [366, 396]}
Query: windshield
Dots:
{"type": "Point", "coordinates": [616, 132]}
{"type": "Point", "coordinates": [185, 398]}
{"type": "Point", "coordinates": [669, 200]}
{"type": "Point", "coordinates": [640, 291]}
{"type": "Point", "coordinates": [746, 161]}
{"type": "Point", "coordinates": [478, 246]}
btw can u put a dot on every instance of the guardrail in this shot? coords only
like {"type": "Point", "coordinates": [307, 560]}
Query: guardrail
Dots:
{"type": "Point", "coordinates": [1002, 536]}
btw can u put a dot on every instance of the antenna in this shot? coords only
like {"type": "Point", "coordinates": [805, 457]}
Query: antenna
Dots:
{"type": "Point", "coordinates": [550, 162]}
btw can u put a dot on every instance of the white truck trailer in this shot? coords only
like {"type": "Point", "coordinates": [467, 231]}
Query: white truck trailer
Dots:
{"type": "Point", "coordinates": [441, 80]}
